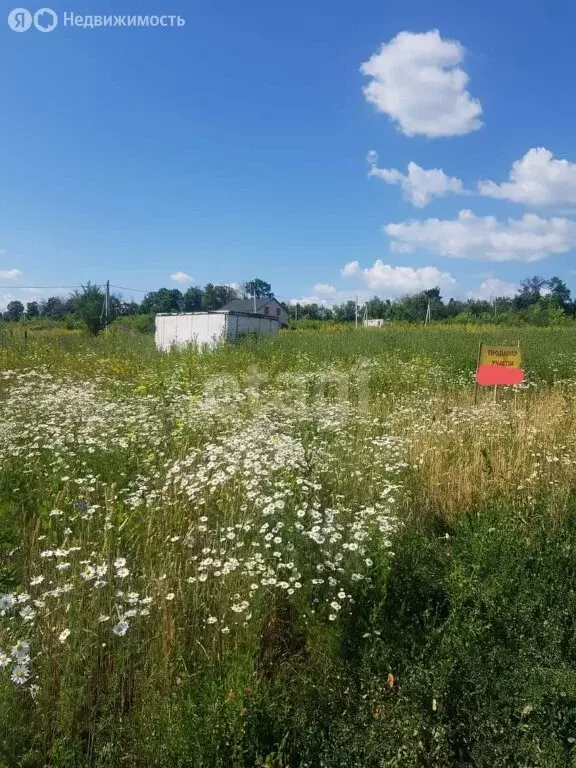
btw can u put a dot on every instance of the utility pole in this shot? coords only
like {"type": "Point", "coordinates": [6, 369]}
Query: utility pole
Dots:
{"type": "Point", "coordinates": [254, 302]}
{"type": "Point", "coordinates": [428, 314]}
{"type": "Point", "coordinates": [107, 303]}
{"type": "Point", "coordinates": [296, 311]}
{"type": "Point", "coordinates": [356, 312]}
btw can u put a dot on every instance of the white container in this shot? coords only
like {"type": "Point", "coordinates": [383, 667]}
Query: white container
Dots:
{"type": "Point", "coordinates": [374, 323]}
{"type": "Point", "coordinates": [208, 329]}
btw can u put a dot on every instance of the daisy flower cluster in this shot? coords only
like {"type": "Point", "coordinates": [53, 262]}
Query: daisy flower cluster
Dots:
{"type": "Point", "coordinates": [16, 660]}
{"type": "Point", "coordinates": [152, 499]}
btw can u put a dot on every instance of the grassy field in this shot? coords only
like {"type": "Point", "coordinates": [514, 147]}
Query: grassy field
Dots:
{"type": "Point", "coordinates": [309, 551]}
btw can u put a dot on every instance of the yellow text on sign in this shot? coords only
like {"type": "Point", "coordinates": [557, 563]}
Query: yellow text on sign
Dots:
{"type": "Point", "coordinates": [506, 357]}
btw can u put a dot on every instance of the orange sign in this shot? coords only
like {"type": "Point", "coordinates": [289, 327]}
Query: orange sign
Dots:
{"type": "Point", "coordinates": [499, 365]}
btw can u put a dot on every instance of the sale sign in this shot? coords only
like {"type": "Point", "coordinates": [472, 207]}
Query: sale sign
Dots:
{"type": "Point", "coordinates": [499, 365]}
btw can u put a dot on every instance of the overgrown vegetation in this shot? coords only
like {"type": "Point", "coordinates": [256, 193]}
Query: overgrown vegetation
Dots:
{"type": "Point", "coordinates": [309, 550]}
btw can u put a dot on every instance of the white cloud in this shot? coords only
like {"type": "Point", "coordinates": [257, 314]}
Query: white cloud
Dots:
{"type": "Point", "coordinates": [29, 294]}
{"type": "Point", "coordinates": [536, 179]}
{"type": "Point", "coordinates": [350, 269]}
{"type": "Point", "coordinates": [324, 289]}
{"type": "Point", "coordinates": [416, 81]}
{"type": "Point", "coordinates": [528, 239]}
{"type": "Point", "coordinates": [181, 277]}
{"type": "Point", "coordinates": [493, 288]}
{"type": "Point", "coordinates": [10, 274]}
{"type": "Point", "coordinates": [310, 300]}
{"type": "Point", "coordinates": [336, 297]}
{"type": "Point", "coordinates": [390, 281]}
{"type": "Point", "coordinates": [419, 185]}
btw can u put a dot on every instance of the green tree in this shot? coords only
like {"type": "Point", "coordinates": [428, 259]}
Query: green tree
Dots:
{"type": "Point", "coordinates": [15, 310]}
{"type": "Point", "coordinates": [530, 292]}
{"type": "Point", "coordinates": [224, 294]}
{"type": "Point", "coordinates": [87, 305]}
{"type": "Point", "coordinates": [377, 308]}
{"type": "Point", "coordinates": [165, 300]}
{"type": "Point", "coordinates": [127, 308]}
{"type": "Point", "coordinates": [559, 292]}
{"type": "Point", "coordinates": [209, 298]}
{"type": "Point", "coordinates": [32, 309]}
{"type": "Point", "coordinates": [192, 300]}
{"type": "Point", "coordinates": [258, 288]}
{"type": "Point", "coordinates": [345, 313]}
{"type": "Point", "coordinates": [54, 308]}
{"type": "Point", "coordinates": [216, 296]}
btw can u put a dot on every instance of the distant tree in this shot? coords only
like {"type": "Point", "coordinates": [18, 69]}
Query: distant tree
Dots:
{"type": "Point", "coordinates": [216, 296]}
{"type": "Point", "coordinates": [192, 300]}
{"type": "Point", "coordinates": [127, 308]}
{"type": "Point", "coordinates": [309, 312]}
{"type": "Point", "coordinates": [345, 313]}
{"type": "Point", "coordinates": [455, 307]}
{"type": "Point", "coordinates": [479, 307]}
{"type": "Point", "coordinates": [413, 308]}
{"type": "Point", "coordinates": [209, 298]}
{"type": "Point", "coordinates": [224, 294]}
{"type": "Point", "coordinates": [258, 288]}
{"type": "Point", "coordinates": [87, 306]}
{"type": "Point", "coordinates": [433, 293]}
{"type": "Point", "coordinates": [559, 292]}
{"type": "Point", "coordinates": [377, 308]}
{"type": "Point", "coordinates": [54, 308]}
{"type": "Point", "coordinates": [32, 309]}
{"type": "Point", "coordinates": [165, 300]}
{"type": "Point", "coordinates": [530, 292]}
{"type": "Point", "coordinates": [325, 313]}
{"type": "Point", "coordinates": [14, 310]}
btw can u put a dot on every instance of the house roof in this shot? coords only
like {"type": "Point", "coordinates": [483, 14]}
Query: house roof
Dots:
{"type": "Point", "coordinates": [247, 305]}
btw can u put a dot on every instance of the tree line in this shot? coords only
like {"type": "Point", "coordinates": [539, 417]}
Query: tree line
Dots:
{"type": "Point", "coordinates": [88, 306]}
{"type": "Point", "coordinates": [538, 301]}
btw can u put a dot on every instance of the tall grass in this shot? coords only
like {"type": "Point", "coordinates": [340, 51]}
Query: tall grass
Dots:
{"type": "Point", "coordinates": [312, 550]}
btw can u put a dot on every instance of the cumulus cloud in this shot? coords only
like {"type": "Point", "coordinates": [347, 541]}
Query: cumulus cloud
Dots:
{"type": "Point", "coordinates": [29, 294]}
{"type": "Point", "coordinates": [536, 179]}
{"type": "Point", "coordinates": [324, 289]}
{"type": "Point", "coordinates": [420, 186]}
{"type": "Point", "coordinates": [350, 269]}
{"type": "Point", "coordinates": [493, 288]}
{"type": "Point", "coordinates": [528, 239]}
{"type": "Point", "coordinates": [386, 280]}
{"type": "Point", "coordinates": [335, 296]}
{"type": "Point", "coordinates": [181, 277]}
{"type": "Point", "coordinates": [310, 300]}
{"type": "Point", "coordinates": [415, 80]}
{"type": "Point", "coordinates": [10, 274]}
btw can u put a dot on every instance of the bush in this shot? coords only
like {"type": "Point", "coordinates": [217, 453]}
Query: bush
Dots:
{"type": "Point", "coordinates": [133, 324]}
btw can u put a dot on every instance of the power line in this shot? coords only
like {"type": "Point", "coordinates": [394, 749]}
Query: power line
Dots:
{"type": "Point", "coordinates": [124, 288]}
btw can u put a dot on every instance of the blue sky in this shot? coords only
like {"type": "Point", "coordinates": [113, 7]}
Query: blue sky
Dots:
{"type": "Point", "coordinates": [235, 146]}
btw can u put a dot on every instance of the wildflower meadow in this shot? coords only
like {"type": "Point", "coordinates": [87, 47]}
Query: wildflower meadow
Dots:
{"type": "Point", "coordinates": [315, 550]}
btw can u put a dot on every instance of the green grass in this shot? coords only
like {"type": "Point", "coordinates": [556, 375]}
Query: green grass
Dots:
{"type": "Point", "coordinates": [413, 600]}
